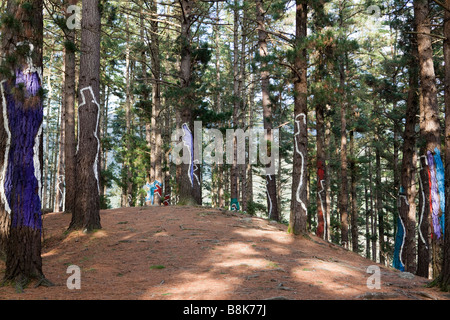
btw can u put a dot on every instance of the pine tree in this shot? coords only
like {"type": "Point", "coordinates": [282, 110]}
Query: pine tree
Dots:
{"type": "Point", "coordinates": [22, 100]}
{"type": "Point", "coordinates": [444, 279]}
{"type": "Point", "coordinates": [69, 116]}
{"type": "Point", "coordinates": [86, 214]}
{"type": "Point", "coordinates": [299, 200]}
{"type": "Point", "coordinates": [430, 126]}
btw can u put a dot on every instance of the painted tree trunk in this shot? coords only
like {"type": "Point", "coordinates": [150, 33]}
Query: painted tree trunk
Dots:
{"type": "Point", "coordinates": [320, 166]}
{"type": "Point", "coordinates": [423, 246]}
{"type": "Point", "coordinates": [299, 212]}
{"type": "Point", "coordinates": [156, 99]}
{"type": "Point", "coordinates": [86, 213]}
{"type": "Point", "coordinates": [327, 182]}
{"type": "Point", "coordinates": [445, 272]}
{"type": "Point", "coordinates": [23, 174]}
{"type": "Point", "coordinates": [185, 171]}
{"type": "Point", "coordinates": [430, 129]}
{"type": "Point", "coordinates": [407, 195]}
{"type": "Point", "coordinates": [22, 121]}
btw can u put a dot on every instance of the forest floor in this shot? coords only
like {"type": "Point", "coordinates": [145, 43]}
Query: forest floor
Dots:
{"type": "Point", "coordinates": [190, 253]}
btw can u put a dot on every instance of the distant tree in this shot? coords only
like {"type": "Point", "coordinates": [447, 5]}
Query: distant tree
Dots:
{"type": "Point", "coordinates": [69, 97]}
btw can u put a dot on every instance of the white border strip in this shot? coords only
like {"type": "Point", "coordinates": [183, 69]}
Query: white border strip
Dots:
{"type": "Point", "coordinates": [8, 145]}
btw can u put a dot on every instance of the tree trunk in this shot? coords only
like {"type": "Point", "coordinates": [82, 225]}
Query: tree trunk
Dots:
{"type": "Point", "coordinates": [127, 192]}
{"type": "Point", "coordinates": [54, 163]}
{"type": "Point", "coordinates": [366, 198]}
{"type": "Point", "coordinates": [430, 112]}
{"type": "Point", "coordinates": [445, 272]}
{"type": "Point", "coordinates": [373, 217]}
{"type": "Point", "coordinates": [86, 213]}
{"type": "Point", "coordinates": [423, 246]}
{"type": "Point", "coordinates": [234, 171]}
{"type": "Point", "coordinates": [407, 195]}
{"type": "Point", "coordinates": [251, 102]}
{"type": "Point", "coordinates": [379, 200]}
{"type": "Point", "coordinates": [271, 184]}
{"type": "Point", "coordinates": [343, 195]}
{"type": "Point", "coordinates": [327, 182]}
{"type": "Point", "coordinates": [59, 198]}
{"type": "Point", "coordinates": [23, 107]}
{"type": "Point", "coordinates": [167, 174]}
{"type": "Point", "coordinates": [353, 173]}
{"type": "Point", "coordinates": [299, 212]}
{"type": "Point", "coordinates": [69, 118]}
{"type": "Point", "coordinates": [185, 176]}
{"type": "Point", "coordinates": [156, 99]}
{"type": "Point", "coordinates": [320, 165]}
{"type": "Point", "coordinates": [104, 157]}
{"type": "Point", "coordinates": [45, 182]}
{"type": "Point", "coordinates": [218, 106]}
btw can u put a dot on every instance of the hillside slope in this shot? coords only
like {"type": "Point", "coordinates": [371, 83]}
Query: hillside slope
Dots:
{"type": "Point", "coordinates": [189, 253]}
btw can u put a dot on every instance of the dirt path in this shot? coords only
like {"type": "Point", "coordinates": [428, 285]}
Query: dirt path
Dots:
{"type": "Point", "coordinates": [187, 253]}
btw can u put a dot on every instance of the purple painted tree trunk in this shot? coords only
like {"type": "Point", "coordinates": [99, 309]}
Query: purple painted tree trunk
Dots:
{"type": "Point", "coordinates": [22, 175]}
{"type": "Point", "coordinates": [22, 115]}
{"type": "Point", "coordinates": [23, 172]}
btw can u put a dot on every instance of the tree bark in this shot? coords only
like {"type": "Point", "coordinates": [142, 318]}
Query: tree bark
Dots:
{"type": "Point", "coordinates": [373, 217]}
{"type": "Point", "coordinates": [379, 200]}
{"type": "Point", "coordinates": [430, 112]}
{"type": "Point", "coordinates": [86, 213]}
{"type": "Point", "coordinates": [343, 195]}
{"type": "Point", "coordinates": [271, 185]}
{"type": "Point", "coordinates": [366, 198]}
{"type": "Point", "coordinates": [218, 106]}
{"type": "Point", "coordinates": [185, 177]}
{"type": "Point", "coordinates": [321, 173]}
{"type": "Point", "coordinates": [70, 141]}
{"type": "Point", "coordinates": [353, 173]}
{"type": "Point", "coordinates": [156, 99]}
{"type": "Point", "coordinates": [445, 272]}
{"type": "Point", "coordinates": [45, 182]}
{"type": "Point", "coordinates": [59, 198]}
{"type": "Point", "coordinates": [127, 192]}
{"type": "Point", "coordinates": [299, 212]}
{"type": "Point", "coordinates": [23, 106]}
{"type": "Point", "coordinates": [407, 207]}
{"type": "Point", "coordinates": [236, 97]}
{"type": "Point", "coordinates": [423, 246]}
